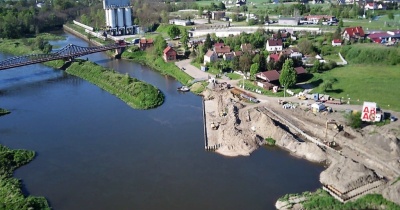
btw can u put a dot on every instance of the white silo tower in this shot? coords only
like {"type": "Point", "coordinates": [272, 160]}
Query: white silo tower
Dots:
{"type": "Point", "coordinates": [128, 17]}
{"type": "Point", "coordinates": [107, 18]}
{"type": "Point", "coordinates": [112, 19]}
{"type": "Point", "coordinates": [120, 17]}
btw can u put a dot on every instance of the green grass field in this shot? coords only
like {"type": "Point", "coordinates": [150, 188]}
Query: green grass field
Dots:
{"type": "Point", "coordinates": [360, 83]}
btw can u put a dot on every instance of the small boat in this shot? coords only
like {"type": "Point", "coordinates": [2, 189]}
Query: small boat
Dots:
{"type": "Point", "coordinates": [183, 88]}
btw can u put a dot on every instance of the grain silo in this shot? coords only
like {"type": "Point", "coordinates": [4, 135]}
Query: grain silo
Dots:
{"type": "Point", "coordinates": [118, 17]}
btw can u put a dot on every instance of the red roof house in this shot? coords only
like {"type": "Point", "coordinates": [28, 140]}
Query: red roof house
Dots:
{"type": "Point", "coordinates": [300, 70]}
{"type": "Point", "coordinates": [353, 33]}
{"type": "Point", "coordinates": [274, 57]}
{"type": "Point", "coordinates": [336, 42]}
{"type": "Point", "coordinates": [169, 54]}
{"type": "Point", "coordinates": [269, 76]}
{"type": "Point", "coordinates": [221, 50]}
{"type": "Point", "coordinates": [145, 43]}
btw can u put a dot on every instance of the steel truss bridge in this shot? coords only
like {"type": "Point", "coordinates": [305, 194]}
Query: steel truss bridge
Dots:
{"type": "Point", "coordinates": [68, 52]}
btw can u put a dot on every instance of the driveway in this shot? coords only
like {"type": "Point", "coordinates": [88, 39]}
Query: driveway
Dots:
{"type": "Point", "coordinates": [193, 71]}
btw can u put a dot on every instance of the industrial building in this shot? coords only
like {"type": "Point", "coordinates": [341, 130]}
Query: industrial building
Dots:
{"type": "Point", "coordinates": [118, 17]}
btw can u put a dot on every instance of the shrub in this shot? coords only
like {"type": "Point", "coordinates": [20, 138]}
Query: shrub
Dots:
{"type": "Point", "coordinates": [270, 141]}
{"type": "Point", "coordinates": [354, 120]}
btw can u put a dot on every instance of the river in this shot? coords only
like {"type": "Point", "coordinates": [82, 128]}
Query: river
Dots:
{"type": "Point", "coordinates": [95, 152]}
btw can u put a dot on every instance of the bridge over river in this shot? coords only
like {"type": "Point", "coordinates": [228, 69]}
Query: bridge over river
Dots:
{"type": "Point", "coordinates": [68, 52]}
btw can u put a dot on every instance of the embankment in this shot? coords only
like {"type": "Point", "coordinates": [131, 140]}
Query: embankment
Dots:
{"type": "Point", "coordinates": [11, 196]}
{"type": "Point", "coordinates": [157, 63]}
{"type": "Point", "coordinates": [135, 93]}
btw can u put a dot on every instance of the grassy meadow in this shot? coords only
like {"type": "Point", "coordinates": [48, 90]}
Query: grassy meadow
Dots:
{"type": "Point", "coordinates": [360, 82]}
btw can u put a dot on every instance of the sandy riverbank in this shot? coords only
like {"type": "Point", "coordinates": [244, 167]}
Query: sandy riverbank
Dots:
{"type": "Point", "coordinates": [365, 160]}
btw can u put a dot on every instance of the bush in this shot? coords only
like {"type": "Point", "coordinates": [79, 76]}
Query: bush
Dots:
{"type": "Point", "coordinates": [354, 120]}
{"type": "Point", "coordinates": [371, 54]}
{"type": "Point", "coordinates": [270, 141]}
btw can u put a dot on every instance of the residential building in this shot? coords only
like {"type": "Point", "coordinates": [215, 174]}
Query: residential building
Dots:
{"type": "Point", "coordinates": [228, 56]}
{"type": "Point", "coordinates": [292, 53]}
{"type": "Point", "coordinates": [369, 6]}
{"type": "Point", "coordinates": [237, 53]}
{"type": "Point", "coordinates": [145, 43]}
{"type": "Point", "coordinates": [336, 42]}
{"type": "Point", "coordinates": [221, 49]}
{"type": "Point", "coordinates": [353, 33]}
{"type": "Point", "coordinates": [274, 45]}
{"type": "Point", "coordinates": [300, 70]}
{"type": "Point", "coordinates": [210, 57]}
{"type": "Point", "coordinates": [385, 37]}
{"type": "Point", "coordinates": [274, 57]}
{"type": "Point", "coordinates": [269, 76]}
{"type": "Point", "coordinates": [169, 54]}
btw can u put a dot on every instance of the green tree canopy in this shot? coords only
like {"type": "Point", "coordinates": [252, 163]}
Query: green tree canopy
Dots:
{"type": "Point", "coordinates": [173, 31]}
{"type": "Point", "coordinates": [288, 75]}
{"type": "Point", "coordinates": [184, 38]}
{"type": "Point", "coordinates": [160, 44]}
{"type": "Point", "coordinates": [254, 70]}
{"type": "Point", "coordinates": [207, 43]}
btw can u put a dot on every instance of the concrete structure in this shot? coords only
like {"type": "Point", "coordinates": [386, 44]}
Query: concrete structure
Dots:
{"type": "Point", "coordinates": [288, 21]}
{"type": "Point", "coordinates": [118, 17]}
{"type": "Point", "coordinates": [233, 31]}
{"type": "Point", "coordinates": [180, 22]}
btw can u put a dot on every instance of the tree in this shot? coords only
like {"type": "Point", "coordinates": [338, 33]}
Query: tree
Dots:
{"type": "Point", "coordinates": [279, 34]}
{"type": "Point", "coordinates": [390, 16]}
{"type": "Point", "coordinates": [288, 75]}
{"type": "Point", "coordinates": [254, 70]}
{"type": "Point", "coordinates": [341, 23]}
{"type": "Point", "coordinates": [328, 84]}
{"type": "Point", "coordinates": [184, 38]}
{"type": "Point", "coordinates": [262, 64]}
{"type": "Point", "coordinates": [271, 65]}
{"type": "Point", "coordinates": [245, 62]}
{"type": "Point", "coordinates": [317, 66]}
{"type": "Point", "coordinates": [173, 31]}
{"type": "Point", "coordinates": [207, 43]}
{"type": "Point", "coordinates": [159, 44]}
{"type": "Point", "coordinates": [306, 47]}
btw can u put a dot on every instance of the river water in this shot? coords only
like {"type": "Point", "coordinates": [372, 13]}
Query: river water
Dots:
{"type": "Point", "coordinates": [95, 152]}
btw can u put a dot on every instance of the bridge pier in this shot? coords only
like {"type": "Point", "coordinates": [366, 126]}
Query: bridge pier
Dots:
{"type": "Point", "coordinates": [118, 52]}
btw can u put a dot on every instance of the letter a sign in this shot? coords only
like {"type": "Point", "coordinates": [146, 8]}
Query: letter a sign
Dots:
{"type": "Point", "coordinates": [368, 112]}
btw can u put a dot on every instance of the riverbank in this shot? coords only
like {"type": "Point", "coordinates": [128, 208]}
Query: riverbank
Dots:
{"type": "Point", "coordinates": [11, 196]}
{"type": "Point", "coordinates": [135, 93]}
{"type": "Point", "coordinates": [157, 63]}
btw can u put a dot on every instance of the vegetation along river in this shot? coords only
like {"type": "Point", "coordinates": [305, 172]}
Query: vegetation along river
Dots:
{"type": "Point", "coordinates": [96, 152]}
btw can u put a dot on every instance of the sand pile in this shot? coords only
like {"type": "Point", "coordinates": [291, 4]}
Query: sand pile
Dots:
{"type": "Point", "coordinates": [346, 175]}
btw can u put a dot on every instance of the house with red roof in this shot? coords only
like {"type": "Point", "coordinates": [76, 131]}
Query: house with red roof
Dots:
{"type": "Point", "coordinates": [274, 45]}
{"type": "Point", "coordinates": [169, 54]}
{"type": "Point", "coordinates": [385, 37]}
{"type": "Point", "coordinates": [268, 76]}
{"type": "Point", "coordinates": [210, 56]}
{"type": "Point", "coordinates": [145, 43]}
{"type": "Point", "coordinates": [353, 33]}
{"type": "Point", "coordinates": [300, 70]}
{"type": "Point", "coordinates": [336, 42]}
{"type": "Point", "coordinates": [274, 57]}
{"type": "Point", "coordinates": [221, 49]}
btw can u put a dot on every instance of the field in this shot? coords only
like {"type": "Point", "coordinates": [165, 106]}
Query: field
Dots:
{"type": "Point", "coordinates": [361, 82]}
{"type": "Point", "coordinates": [380, 23]}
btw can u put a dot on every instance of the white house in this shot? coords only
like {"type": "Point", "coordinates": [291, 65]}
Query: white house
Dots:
{"type": "Point", "coordinates": [210, 57]}
{"type": "Point", "coordinates": [274, 45]}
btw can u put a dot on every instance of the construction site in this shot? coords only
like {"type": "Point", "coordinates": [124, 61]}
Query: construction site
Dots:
{"type": "Point", "coordinates": [358, 162]}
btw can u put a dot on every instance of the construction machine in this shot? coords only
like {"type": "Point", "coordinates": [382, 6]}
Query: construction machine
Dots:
{"type": "Point", "coordinates": [336, 126]}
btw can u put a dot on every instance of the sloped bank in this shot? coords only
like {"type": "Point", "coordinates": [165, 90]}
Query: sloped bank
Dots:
{"type": "Point", "coordinates": [135, 93]}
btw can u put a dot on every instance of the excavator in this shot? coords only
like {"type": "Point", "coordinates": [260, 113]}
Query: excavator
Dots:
{"type": "Point", "coordinates": [337, 127]}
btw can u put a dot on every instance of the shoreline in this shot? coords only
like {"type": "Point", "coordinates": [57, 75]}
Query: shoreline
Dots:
{"type": "Point", "coordinates": [222, 107]}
